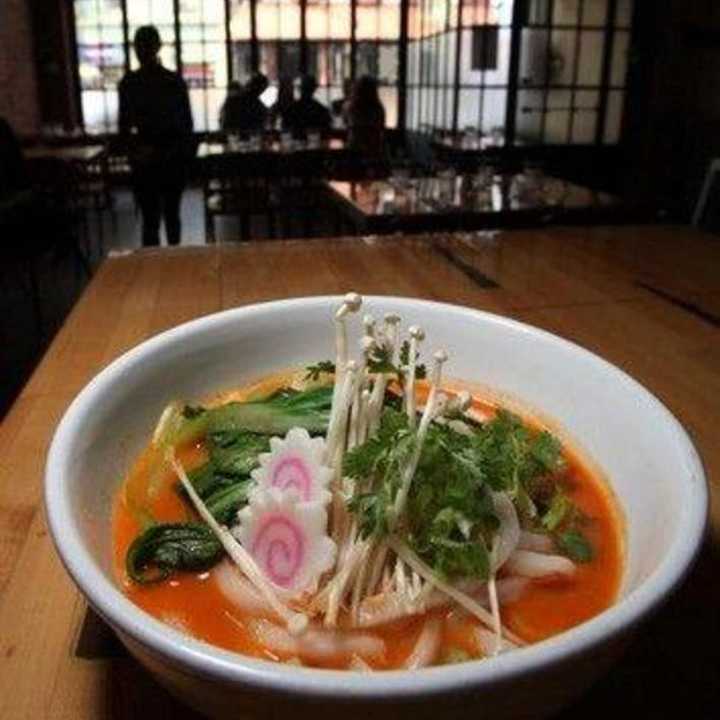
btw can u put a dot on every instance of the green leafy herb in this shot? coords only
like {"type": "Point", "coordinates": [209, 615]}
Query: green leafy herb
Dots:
{"type": "Point", "coordinates": [380, 361]}
{"type": "Point", "coordinates": [236, 453]}
{"type": "Point", "coordinates": [512, 457]}
{"type": "Point", "coordinates": [275, 415]}
{"type": "Point", "coordinates": [373, 456]}
{"type": "Point", "coordinates": [449, 519]}
{"type": "Point", "coordinates": [203, 479]}
{"type": "Point", "coordinates": [560, 508]}
{"type": "Point", "coordinates": [183, 426]}
{"type": "Point", "coordinates": [162, 549]}
{"type": "Point", "coordinates": [576, 546]}
{"type": "Point", "coordinates": [224, 502]}
{"type": "Point", "coordinates": [314, 371]}
{"type": "Point", "coordinates": [223, 481]}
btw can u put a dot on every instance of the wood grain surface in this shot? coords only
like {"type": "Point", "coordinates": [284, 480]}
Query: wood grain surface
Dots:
{"type": "Point", "coordinates": [646, 298]}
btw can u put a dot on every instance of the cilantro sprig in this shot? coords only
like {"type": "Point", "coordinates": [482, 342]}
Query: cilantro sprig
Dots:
{"type": "Point", "coordinates": [380, 361]}
{"type": "Point", "coordinates": [450, 519]}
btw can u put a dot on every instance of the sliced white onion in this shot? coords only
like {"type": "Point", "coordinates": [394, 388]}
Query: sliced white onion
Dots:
{"type": "Point", "coordinates": [389, 606]}
{"type": "Point", "coordinates": [427, 645]}
{"type": "Point", "coordinates": [509, 533]}
{"type": "Point", "coordinates": [537, 542]}
{"type": "Point", "coordinates": [241, 592]}
{"type": "Point", "coordinates": [535, 565]}
{"type": "Point", "coordinates": [509, 589]}
{"type": "Point", "coordinates": [316, 644]}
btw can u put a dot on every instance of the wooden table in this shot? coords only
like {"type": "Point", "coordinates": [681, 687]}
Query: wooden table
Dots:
{"type": "Point", "coordinates": [461, 202]}
{"type": "Point", "coordinates": [70, 153]}
{"type": "Point", "coordinates": [647, 299]}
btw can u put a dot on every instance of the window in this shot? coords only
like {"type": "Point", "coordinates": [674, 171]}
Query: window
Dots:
{"type": "Point", "coordinates": [485, 47]}
{"type": "Point", "coordinates": [101, 49]}
{"type": "Point", "coordinates": [204, 59]}
{"type": "Point", "coordinates": [571, 58]}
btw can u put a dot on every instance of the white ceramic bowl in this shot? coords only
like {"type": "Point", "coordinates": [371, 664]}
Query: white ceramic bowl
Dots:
{"type": "Point", "coordinates": [652, 466]}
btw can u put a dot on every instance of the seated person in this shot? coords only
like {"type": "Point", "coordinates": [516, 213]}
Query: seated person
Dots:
{"type": "Point", "coordinates": [365, 119]}
{"type": "Point", "coordinates": [285, 98]}
{"type": "Point", "coordinates": [244, 112]}
{"type": "Point", "coordinates": [234, 90]}
{"type": "Point", "coordinates": [307, 114]}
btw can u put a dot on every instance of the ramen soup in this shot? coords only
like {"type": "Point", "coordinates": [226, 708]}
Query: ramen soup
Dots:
{"type": "Point", "coordinates": [365, 514]}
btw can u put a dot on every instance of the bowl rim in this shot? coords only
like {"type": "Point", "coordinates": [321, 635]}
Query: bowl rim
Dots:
{"type": "Point", "coordinates": [199, 658]}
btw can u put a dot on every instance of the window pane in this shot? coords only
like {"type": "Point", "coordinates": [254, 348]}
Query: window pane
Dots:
{"type": "Point", "coordinates": [481, 12]}
{"type": "Point", "coordinates": [240, 20]}
{"type": "Point", "coordinates": [101, 61]}
{"type": "Point", "coordinates": [378, 19]}
{"type": "Point", "coordinates": [566, 12]}
{"type": "Point", "coordinates": [623, 13]}
{"type": "Point", "coordinates": [613, 116]}
{"type": "Point", "coordinates": [493, 112]}
{"type": "Point", "coordinates": [594, 13]}
{"type": "Point", "coordinates": [557, 117]}
{"type": "Point", "coordinates": [100, 111]}
{"type": "Point", "coordinates": [328, 20]}
{"type": "Point", "coordinates": [562, 57]}
{"type": "Point", "coordinates": [621, 47]}
{"type": "Point", "coordinates": [533, 57]}
{"type": "Point", "coordinates": [278, 19]}
{"type": "Point", "coordinates": [585, 117]}
{"type": "Point", "coordinates": [528, 121]}
{"type": "Point", "coordinates": [591, 57]}
{"type": "Point", "coordinates": [204, 69]}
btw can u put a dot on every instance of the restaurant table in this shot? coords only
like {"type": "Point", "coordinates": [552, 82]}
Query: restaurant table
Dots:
{"type": "Point", "coordinates": [69, 153]}
{"type": "Point", "coordinates": [466, 143]}
{"type": "Point", "coordinates": [463, 202]}
{"type": "Point", "coordinates": [273, 146]}
{"type": "Point", "coordinates": [645, 298]}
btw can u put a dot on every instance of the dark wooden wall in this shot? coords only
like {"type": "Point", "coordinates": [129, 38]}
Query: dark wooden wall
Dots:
{"type": "Point", "coordinates": [673, 110]}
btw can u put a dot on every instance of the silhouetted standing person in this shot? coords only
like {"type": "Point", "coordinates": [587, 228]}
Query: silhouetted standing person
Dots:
{"type": "Point", "coordinates": [365, 119]}
{"type": "Point", "coordinates": [307, 114]}
{"type": "Point", "coordinates": [156, 125]}
{"type": "Point", "coordinates": [245, 112]}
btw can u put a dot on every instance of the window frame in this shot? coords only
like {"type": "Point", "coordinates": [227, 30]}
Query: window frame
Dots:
{"type": "Point", "coordinates": [442, 106]}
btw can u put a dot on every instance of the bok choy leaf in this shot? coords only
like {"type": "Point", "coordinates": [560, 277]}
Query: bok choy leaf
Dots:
{"type": "Point", "coordinates": [162, 549]}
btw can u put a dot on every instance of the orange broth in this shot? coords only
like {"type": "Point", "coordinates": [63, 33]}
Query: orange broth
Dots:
{"type": "Point", "coordinates": [193, 603]}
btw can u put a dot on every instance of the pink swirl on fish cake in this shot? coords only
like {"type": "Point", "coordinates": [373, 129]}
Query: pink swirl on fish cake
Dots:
{"type": "Point", "coordinates": [279, 548]}
{"type": "Point", "coordinates": [292, 472]}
